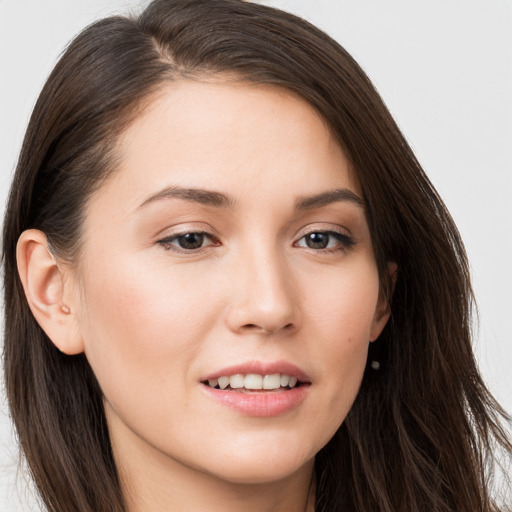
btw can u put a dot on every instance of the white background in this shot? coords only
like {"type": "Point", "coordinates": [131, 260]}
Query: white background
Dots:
{"type": "Point", "coordinates": [443, 67]}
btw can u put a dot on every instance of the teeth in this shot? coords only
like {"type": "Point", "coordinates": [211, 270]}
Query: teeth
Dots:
{"type": "Point", "coordinates": [254, 381]}
{"type": "Point", "coordinates": [223, 382]}
{"type": "Point", "coordinates": [237, 381]}
{"type": "Point", "coordinates": [272, 381]}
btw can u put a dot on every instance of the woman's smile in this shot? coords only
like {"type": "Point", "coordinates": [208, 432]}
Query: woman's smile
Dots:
{"type": "Point", "coordinates": [259, 389]}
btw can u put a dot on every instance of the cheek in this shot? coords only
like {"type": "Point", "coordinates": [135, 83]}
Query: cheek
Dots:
{"type": "Point", "coordinates": [141, 325]}
{"type": "Point", "coordinates": [342, 314]}
{"type": "Point", "coordinates": [343, 305]}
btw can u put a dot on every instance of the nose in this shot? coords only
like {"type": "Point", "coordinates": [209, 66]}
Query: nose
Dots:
{"type": "Point", "coordinates": [263, 300]}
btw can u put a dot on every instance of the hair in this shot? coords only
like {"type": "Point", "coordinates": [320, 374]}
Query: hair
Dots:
{"type": "Point", "coordinates": [423, 430]}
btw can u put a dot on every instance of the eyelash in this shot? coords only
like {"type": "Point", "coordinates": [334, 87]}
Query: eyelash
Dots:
{"type": "Point", "coordinates": [167, 244]}
{"type": "Point", "coordinates": [346, 242]}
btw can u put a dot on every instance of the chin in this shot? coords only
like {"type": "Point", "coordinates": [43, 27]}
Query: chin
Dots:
{"type": "Point", "coordinates": [257, 472]}
{"type": "Point", "coordinates": [263, 461]}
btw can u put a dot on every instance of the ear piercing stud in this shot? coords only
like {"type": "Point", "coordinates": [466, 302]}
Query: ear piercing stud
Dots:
{"type": "Point", "coordinates": [374, 363]}
{"type": "Point", "coordinates": [65, 309]}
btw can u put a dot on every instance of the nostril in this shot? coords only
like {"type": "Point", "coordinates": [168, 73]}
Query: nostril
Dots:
{"type": "Point", "coordinates": [267, 330]}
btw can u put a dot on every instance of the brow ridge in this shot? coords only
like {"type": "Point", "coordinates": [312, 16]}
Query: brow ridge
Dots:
{"type": "Point", "coordinates": [196, 195]}
{"type": "Point", "coordinates": [325, 198]}
{"type": "Point", "coordinates": [221, 200]}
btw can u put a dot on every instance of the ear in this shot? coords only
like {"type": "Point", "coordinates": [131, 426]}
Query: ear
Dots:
{"type": "Point", "coordinates": [383, 309]}
{"type": "Point", "coordinates": [44, 286]}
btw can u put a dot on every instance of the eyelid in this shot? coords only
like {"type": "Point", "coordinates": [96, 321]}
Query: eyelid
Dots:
{"type": "Point", "coordinates": [187, 227]}
{"type": "Point", "coordinates": [167, 244]}
{"type": "Point", "coordinates": [324, 228]}
{"type": "Point", "coordinates": [166, 240]}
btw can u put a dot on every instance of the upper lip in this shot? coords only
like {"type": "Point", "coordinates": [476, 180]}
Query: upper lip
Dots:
{"type": "Point", "coordinates": [261, 368]}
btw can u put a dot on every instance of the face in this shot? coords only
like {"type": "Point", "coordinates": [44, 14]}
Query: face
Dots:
{"type": "Point", "coordinates": [230, 248]}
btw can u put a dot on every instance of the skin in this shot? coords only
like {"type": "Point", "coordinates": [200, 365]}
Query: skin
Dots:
{"type": "Point", "coordinates": [154, 318]}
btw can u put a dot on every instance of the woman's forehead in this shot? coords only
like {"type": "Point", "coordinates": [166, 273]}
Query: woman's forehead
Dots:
{"type": "Point", "coordinates": [233, 137]}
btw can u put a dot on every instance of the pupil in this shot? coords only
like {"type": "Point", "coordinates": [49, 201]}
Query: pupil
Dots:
{"type": "Point", "coordinates": [191, 240]}
{"type": "Point", "coordinates": [317, 240]}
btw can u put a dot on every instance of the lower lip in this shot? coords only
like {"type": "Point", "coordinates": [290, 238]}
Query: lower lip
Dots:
{"type": "Point", "coordinates": [262, 404]}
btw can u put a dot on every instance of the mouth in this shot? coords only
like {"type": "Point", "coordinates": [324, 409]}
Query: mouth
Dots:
{"type": "Point", "coordinates": [253, 382]}
{"type": "Point", "coordinates": [259, 389]}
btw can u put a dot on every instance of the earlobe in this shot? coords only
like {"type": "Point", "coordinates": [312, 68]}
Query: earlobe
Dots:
{"type": "Point", "coordinates": [44, 286]}
{"type": "Point", "coordinates": [383, 310]}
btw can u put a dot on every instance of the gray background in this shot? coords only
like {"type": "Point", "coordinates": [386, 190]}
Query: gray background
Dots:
{"type": "Point", "coordinates": [444, 68]}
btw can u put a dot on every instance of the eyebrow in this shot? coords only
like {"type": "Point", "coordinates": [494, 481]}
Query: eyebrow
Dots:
{"type": "Point", "coordinates": [195, 195]}
{"type": "Point", "coordinates": [325, 198]}
{"type": "Point", "coordinates": [220, 200]}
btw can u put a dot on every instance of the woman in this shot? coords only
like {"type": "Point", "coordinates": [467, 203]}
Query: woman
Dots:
{"type": "Point", "coordinates": [230, 284]}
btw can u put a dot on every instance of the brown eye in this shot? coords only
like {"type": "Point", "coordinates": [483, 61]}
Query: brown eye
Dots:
{"type": "Point", "coordinates": [326, 240]}
{"type": "Point", "coordinates": [192, 241]}
{"type": "Point", "coordinates": [317, 240]}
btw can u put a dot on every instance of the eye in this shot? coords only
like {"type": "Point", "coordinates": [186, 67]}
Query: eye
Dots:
{"type": "Point", "coordinates": [326, 240]}
{"type": "Point", "coordinates": [185, 242]}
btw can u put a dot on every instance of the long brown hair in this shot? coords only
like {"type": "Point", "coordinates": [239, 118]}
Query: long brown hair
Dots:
{"type": "Point", "coordinates": [422, 431]}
